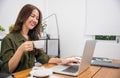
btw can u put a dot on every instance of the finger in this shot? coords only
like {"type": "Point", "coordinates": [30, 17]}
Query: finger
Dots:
{"type": "Point", "coordinates": [29, 49]}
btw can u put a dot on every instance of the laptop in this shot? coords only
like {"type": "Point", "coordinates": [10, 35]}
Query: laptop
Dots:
{"type": "Point", "coordinates": [76, 69]}
{"type": "Point", "coordinates": [105, 62]}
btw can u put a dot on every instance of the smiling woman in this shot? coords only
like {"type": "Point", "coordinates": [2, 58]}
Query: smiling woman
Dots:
{"type": "Point", "coordinates": [17, 50]}
{"type": "Point", "coordinates": [17, 46]}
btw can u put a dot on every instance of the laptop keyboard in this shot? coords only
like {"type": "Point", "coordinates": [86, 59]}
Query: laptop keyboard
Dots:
{"type": "Point", "coordinates": [72, 69]}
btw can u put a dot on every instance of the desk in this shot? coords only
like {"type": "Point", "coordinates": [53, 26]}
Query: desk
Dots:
{"type": "Point", "coordinates": [91, 72]}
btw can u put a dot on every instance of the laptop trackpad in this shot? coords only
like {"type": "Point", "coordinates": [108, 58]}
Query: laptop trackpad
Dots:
{"type": "Point", "coordinates": [72, 69]}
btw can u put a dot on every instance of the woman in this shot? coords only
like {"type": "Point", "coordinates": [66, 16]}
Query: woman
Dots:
{"type": "Point", "coordinates": [18, 52]}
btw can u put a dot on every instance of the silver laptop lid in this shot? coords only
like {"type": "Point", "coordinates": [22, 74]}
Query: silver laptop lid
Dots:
{"type": "Point", "coordinates": [87, 55]}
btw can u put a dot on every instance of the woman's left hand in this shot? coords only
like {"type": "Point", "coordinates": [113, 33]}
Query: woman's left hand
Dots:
{"type": "Point", "coordinates": [69, 60]}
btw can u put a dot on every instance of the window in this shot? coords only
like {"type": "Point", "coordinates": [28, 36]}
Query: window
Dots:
{"type": "Point", "coordinates": [105, 37]}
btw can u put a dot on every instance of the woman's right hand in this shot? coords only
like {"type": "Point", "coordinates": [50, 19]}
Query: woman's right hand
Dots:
{"type": "Point", "coordinates": [26, 46]}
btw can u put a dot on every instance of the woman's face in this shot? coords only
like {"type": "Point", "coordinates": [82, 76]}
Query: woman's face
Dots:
{"type": "Point", "coordinates": [32, 20]}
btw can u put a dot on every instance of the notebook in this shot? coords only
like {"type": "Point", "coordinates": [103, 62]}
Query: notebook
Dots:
{"type": "Point", "coordinates": [76, 69]}
{"type": "Point", "coordinates": [105, 62]}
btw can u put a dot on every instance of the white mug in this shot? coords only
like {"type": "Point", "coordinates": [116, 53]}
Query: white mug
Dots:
{"type": "Point", "coordinates": [39, 44]}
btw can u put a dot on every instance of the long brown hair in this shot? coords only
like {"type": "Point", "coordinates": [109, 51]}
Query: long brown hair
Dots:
{"type": "Point", "coordinates": [25, 12]}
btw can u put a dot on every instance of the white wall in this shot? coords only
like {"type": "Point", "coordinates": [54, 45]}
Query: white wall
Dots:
{"type": "Point", "coordinates": [109, 49]}
{"type": "Point", "coordinates": [105, 16]}
{"type": "Point", "coordinates": [71, 24]}
{"type": "Point", "coordinates": [71, 20]}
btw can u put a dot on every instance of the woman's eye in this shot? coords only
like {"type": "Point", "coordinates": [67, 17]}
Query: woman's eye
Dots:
{"type": "Point", "coordinates": [32, 15]}
{"type": "Point", "coordinates": [37, 18]}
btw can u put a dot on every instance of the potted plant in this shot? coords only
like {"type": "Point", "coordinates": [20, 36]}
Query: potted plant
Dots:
{"type": "Point", "coordinates": [42, 30]}
{"type": "Point", "coordinates": [2, 33]}
{"type": "Point", "coordinates": [1, 28]}
{"type": "Point", "coordinates": [11, 27]}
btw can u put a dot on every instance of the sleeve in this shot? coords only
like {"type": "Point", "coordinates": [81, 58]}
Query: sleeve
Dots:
{"type": "Point", "coordinates": [42, 57]}
{"type": "Point", "coordinates": [6, 53]}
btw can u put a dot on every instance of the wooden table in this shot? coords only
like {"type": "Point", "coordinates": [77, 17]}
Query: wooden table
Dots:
{"type": "Point", "coordinates": [105, 72]}
{"type": "Point", "coordinates": [91, 72]}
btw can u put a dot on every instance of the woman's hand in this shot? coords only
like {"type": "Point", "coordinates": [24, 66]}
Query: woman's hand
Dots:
{"type": "Point", "coordinates": [14, 61]}
{"type": "Point", "coordinates": [26, 46]}
{"type": "Point", "coordinates": [69, 60]}
{"type": "Point", "coordinates": [63, 61]}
